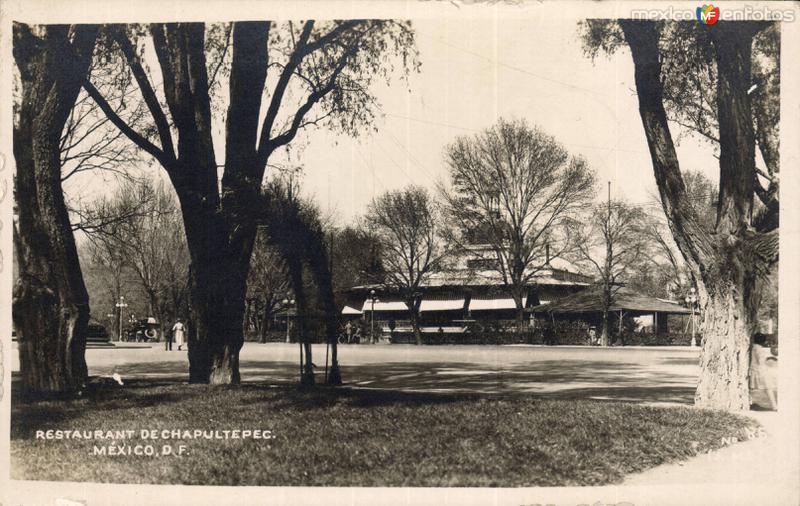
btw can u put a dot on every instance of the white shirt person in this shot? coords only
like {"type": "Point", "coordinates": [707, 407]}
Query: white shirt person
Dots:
{"type": "Point", "coordinates": [179, 333]}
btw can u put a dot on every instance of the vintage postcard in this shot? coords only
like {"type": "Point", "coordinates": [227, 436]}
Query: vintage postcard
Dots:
{"type": "Point", "coordinates": [399, 252]}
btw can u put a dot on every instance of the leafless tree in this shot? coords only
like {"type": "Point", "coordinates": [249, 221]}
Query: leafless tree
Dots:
{"type": "Point", "coordinates": [149, 242]}
{"type": "Point", "coordinates": [406, 225]}
{"type": "Point", "coordinates": [612, 243]}
{"type": "Point", "coordinates": [515, 188]}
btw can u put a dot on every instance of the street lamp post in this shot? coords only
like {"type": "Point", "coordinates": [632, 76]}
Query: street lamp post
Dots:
{"type": "Point", "coordinates": [372, 317]}
{"type": "Point", "coordinates": [287, 303]}
{"type": "Point", "coordinates": [121, 305]}
{"type": "Point", "coordinates": [691, 300]}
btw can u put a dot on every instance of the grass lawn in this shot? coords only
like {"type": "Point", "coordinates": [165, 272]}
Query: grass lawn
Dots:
{"type": "Point", "coordinates": [343, 437]}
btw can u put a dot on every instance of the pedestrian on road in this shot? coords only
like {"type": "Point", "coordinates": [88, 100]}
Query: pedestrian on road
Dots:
{"type": "Point", "coordinates": [168, 340]}
{"type": "Point", "coordinates": [179, 333]}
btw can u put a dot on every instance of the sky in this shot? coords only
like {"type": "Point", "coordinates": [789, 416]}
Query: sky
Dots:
{"type": "Point", "coordinates": [475, 70]}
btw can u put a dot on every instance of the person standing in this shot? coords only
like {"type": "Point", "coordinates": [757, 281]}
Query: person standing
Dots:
{"type": "Point", "coordinates": [348, 329]}
{"type": "Point", "coordinates": [168, 340]}
{"type": "Point", "coordinates": [763, 374]}
{"type": "Point", "coordinates": [593, 341]}
{"type": "Point", "coordinates": [179, 333]}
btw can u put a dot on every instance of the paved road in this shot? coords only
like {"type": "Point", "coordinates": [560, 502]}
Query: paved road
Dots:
{"type": "Point", "coordinates": [652, 375]}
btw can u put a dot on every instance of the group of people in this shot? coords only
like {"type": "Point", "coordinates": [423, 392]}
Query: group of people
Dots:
{"type": "Point", "coordinates": [177, 334]}
{"type": "Point", "coordinates": [352, 333]}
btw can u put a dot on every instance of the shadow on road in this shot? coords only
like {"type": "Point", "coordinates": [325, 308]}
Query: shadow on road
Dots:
{"type": "Point", "coordinates": [652, 382]}
{"type": "Point", "coordinates": [567, 379]}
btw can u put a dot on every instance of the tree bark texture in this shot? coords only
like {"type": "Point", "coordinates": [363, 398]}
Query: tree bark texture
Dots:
{"type": "Point", "coordinates": [220, 228]}
{"type": "Point", "coordinates": [728, 263]}
{"type": "Point", "coordinates": [51, 304]}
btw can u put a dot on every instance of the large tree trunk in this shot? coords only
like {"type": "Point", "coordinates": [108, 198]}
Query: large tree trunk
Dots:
{"type": "Point", "coordinates": [51, 304]}
{"type": "Point", "coordinates": [216, 332]}
{"type": "Point", "coordinates": [217, 297]}
{"type": "Point", "coordinates": [728, 325]}
{"type": "Point", "coordinates": [727, 264]}
{"type": "Point", "coordinates": [729, 280]}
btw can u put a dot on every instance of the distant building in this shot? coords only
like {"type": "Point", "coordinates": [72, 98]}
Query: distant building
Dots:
{"type": "Point", "coordinates": [471, 290]}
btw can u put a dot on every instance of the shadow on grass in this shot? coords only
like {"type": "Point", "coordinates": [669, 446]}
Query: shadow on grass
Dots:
{"type": "Point", "coordinates": [29, 412]}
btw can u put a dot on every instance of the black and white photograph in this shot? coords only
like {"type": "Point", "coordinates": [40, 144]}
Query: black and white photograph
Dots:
{"type": "Point", "coordinates": [399, 252]}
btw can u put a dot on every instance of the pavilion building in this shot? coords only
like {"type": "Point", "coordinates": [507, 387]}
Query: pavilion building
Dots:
{"type": "Point", "coordinates": [469, 291]}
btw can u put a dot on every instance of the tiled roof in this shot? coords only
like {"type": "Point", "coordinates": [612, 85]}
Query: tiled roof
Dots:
{"type": "Point", "coordinates": [623, 299]}
{"type": "Point", "coordinates": [462, 278]}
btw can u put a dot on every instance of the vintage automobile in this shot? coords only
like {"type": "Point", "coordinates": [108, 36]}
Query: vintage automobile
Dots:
{"type": "Point", "coordinates": [144, 330]}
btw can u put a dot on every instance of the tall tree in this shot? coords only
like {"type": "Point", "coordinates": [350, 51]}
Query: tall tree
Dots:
{"type": "Point", "coordinates": [519, 187]}
{"type": "Point", "coordinates": [51, 304]}
{"type": "Point", "coordinates": [612, 242]}
{"type": "Point", "coordinates": [405, 223]}
{"type": "Point", "coordinates": [729, 263]}
{"type": "Point", "coordinates": [147, 235]}
{"type": "Point", "coordinates": [295, 229]}
{"type": "Point", "coordinates": [330, 66]}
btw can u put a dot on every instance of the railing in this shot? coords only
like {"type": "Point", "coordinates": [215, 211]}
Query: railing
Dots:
{"type": "Point", "coordinates": [494, 332]}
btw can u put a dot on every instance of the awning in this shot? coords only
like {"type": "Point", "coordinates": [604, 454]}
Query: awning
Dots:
{"type": "Point", "coordinates": [347, 310]}
{"type": "Point", "coordinates": [494, 303]}
{"type": "Point", "coordinates": [449, 304]}
{"type": "Point", "coordinates": [384, 305]}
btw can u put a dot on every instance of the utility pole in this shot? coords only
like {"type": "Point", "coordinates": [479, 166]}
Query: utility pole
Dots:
{"type": "Point", "coordinates": [604, 335]}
